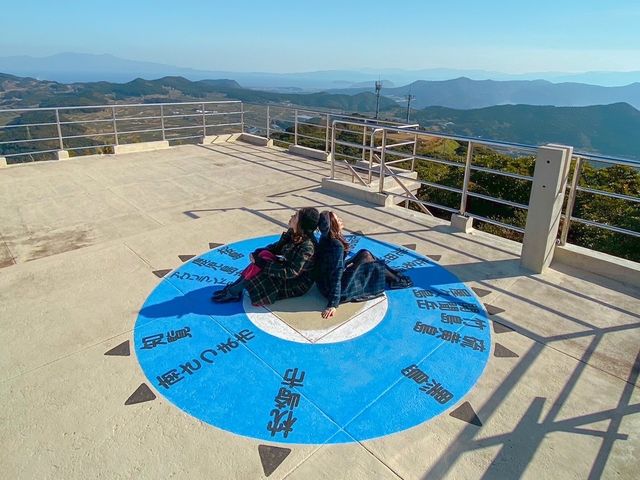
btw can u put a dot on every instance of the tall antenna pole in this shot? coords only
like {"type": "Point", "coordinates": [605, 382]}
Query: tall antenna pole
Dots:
{"type": "Point", "coordinates": [378, 88]}
{"type": "Point", "coordinates": [409, 97]}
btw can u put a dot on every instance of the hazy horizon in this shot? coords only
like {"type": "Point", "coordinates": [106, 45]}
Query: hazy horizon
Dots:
{"type": "Point", "coordinates": [290, 37]}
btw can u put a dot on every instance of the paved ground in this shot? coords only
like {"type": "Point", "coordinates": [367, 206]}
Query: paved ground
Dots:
{"type": "Point", "coordinates": [79, 240]}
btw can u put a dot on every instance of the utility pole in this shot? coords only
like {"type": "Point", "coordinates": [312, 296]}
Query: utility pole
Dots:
{"type": "Point", "coordinates": [409, 97]}
{"type": "Point", "coordinates": [378, 88]}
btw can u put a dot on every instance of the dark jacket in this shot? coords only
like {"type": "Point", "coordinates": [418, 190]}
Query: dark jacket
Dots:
{"type": "Point", "coordinates": [340, 283]}
{"type": "Point", "coordinates": [284, 279]}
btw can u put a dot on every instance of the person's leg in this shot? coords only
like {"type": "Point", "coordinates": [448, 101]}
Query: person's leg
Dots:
{"type": "Point", "coordinates": [231, 293]}
{"type": "Point", "coordinates": [365, 256]}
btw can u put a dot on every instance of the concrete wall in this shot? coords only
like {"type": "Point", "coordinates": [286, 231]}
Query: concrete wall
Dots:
{"type": "Point", "coordinates": [140, 147]}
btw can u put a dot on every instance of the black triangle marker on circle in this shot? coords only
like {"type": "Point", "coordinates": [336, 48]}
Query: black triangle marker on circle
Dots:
{"type": "Point", "coordinates": [492, 309]}
{"type": "Point", "coordinates": [161, 273]}
{"type": "Point", "coordinates": [121, 350]}
{"type": "Point", "coordinates": [435, 258]}
{"type": "Point", "coordinates": [466, 413]}
{"type": "Point", "coordinates": [481, 292]}
{"type": "Point", "coordinates": [271, 457]}
{"type": "Point", "coordinates": [184, 258]}
{"type": "Point", "coordinates": [501, 351]}
{"type": "Point", "coordinates": [142, 394]}
{"type": "Point", "coordinates": [410, 246]}
{"type": "Point", "coordinates": [215, 245]}
{"type": "Point", "coordinates": [358, 232]}
{"type": "Point", "coordinates": [501, 328]}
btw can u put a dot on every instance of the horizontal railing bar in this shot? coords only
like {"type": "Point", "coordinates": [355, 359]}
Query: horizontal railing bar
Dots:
{"type": "Point", "coordinates": [349, 156]}
{"type": "Point", "coordinates": [474, 140]}
{"type": "Point", "coordinates": [28, 125]}
{"type": "Point", "coordinates": [496, 222]}
{"type": "Point", "coordinates": [117, 105]}
{"type": "Point", "coordinates": [424, 202]}
{"type": "Point", "coordinates": [7, 155]}
{"type": "Point", "coordinates": [149, 130]}
{"type": "Point", "coordinates": [353, 145]}
{"type": "Point", "coordinates": [317, 125]}
{"type": "Point", "coordinates": [92, 146]}
{"type": "Point", "coordinates": [500, 172]}
{"type": "Point", "coordinates": [605, 226]}
{"type": "Point", "coordinates": [619, 196]}
{"type": "Point", "coordinates": [401, 144]}
{"type": "Point", "coordinates": [312, 138]}
{"type": "Point", "coordinates": [79, 122]}
{"type": "Point", "coordinates": [433, 159]}
{"type": "Point", "coordinates": [498, 200]}
{"type": "Point", "coordinates": [89, 135]}
{"type": "Point", "coordinates": [607, 159]}
{"type": "Point", "coordinates": [436, 185]}
{"type": "Point", "coordinates": [29, 140]}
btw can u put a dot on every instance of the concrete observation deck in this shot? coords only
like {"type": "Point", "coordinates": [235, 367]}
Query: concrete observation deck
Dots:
{"type": "Point", "coordinates": [81, 238]}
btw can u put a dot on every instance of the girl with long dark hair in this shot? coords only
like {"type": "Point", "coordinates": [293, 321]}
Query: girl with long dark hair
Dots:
{"type": "Point", "coordinates": [344, 279]}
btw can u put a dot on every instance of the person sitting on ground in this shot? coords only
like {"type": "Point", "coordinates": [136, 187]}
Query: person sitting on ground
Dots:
{"type": "Point", "coordinates": [282, 269]}
{"type": "Point", "coordinates": [358, 278]}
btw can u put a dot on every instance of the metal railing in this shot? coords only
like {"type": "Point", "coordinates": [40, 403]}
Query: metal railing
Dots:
{"type": "Point", "coordinates": [574, 188]}
{"type": "Point", "coordinates": [183, 121]}
{"type": "Point", "coordinates": [401, 176]}
{"type": "Point", "coordinates": [364, 147]}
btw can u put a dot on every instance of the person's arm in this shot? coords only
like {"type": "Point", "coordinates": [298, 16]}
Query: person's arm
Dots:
{"type": "Point", "coordinates": [293, 264]}
{"type": "Point", "coordinates": [335, 266]}
{"type": "Point", "coordinates": [272, 247]}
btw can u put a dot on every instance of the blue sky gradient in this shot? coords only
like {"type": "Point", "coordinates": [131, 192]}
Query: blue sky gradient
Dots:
{"type": "Point", "coordinates": [287, 36]}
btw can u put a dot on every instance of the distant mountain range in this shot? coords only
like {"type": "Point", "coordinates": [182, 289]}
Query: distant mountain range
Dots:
{"type": "Point", "coordinates": [607, 129]}
{"type": "Point", "coordinates": [466, 93]}
{"type": "Point", "coordinates": [75, 67]}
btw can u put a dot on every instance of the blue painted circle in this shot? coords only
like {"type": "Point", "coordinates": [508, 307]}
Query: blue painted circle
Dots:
{"type": "Point", "coordinates": [212, 362]}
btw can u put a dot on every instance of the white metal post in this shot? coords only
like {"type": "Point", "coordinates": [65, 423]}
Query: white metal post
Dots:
{"type": "Point", "coordinates": [115, 126]}
{"type": "Point", "coordinates": [268, 123]}
{"type": "Point", "coordinates": [59, 129]}
{"type": "Point", "coordinates": [295, 128]}
{"type": "Point", "coordinates": [162, 121]}
{"type": "Point", "coordinates": [571, 201]}
{"type": "Point", "coordinates": [384, 148]}
{"type": "Point", "coordinates": [467, 175]}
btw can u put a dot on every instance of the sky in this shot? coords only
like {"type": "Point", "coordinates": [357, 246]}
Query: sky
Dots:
{"type": "Point", "coordinates": [285, 36]}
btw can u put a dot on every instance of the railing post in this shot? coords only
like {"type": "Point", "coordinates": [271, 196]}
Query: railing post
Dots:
{"type": "Point", "coordinates": [241, 117]}
{"type": "Point", "coordinates": [162, 121]}
{"type": "Point", "coordinates": [467, 175]}
{"type": "Point", "coordinates": [545, 206]}
{"type": "Point", "coordinates": [364, 143]}
{"type": "Point", "coordinates": [295, 127]}
{"type": "Point", "coordinates": [115, 126]}
{"type": "Point", "coordinates": [59, 130]}
{"type": "Point", "coordinates": [333, 150]}
{"type": "Point", "coordinates": [268, 123]}
{"type": "Point", "coordinates": [571, 201]}
{"type": "Point", "coordinates": [415, 151]}
{"type": "Point", "coordinates": [372, 143]}
{"type": "Point", "coordinates": [326, 136]}
{"type": "Point", "coordinates": [204, 123]}
{"type": "Point", "coordinates": [384, 148]}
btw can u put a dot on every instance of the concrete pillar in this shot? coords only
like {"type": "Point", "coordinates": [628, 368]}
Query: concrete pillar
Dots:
{"type": "Point", "coordinates": [62, 155]}
{"type": "Point", "coordinates": [545, 206]}
{"type": "Point", "coordinates": [460, 223]}
{"type": "Point", "coordinates": [3, 162]}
